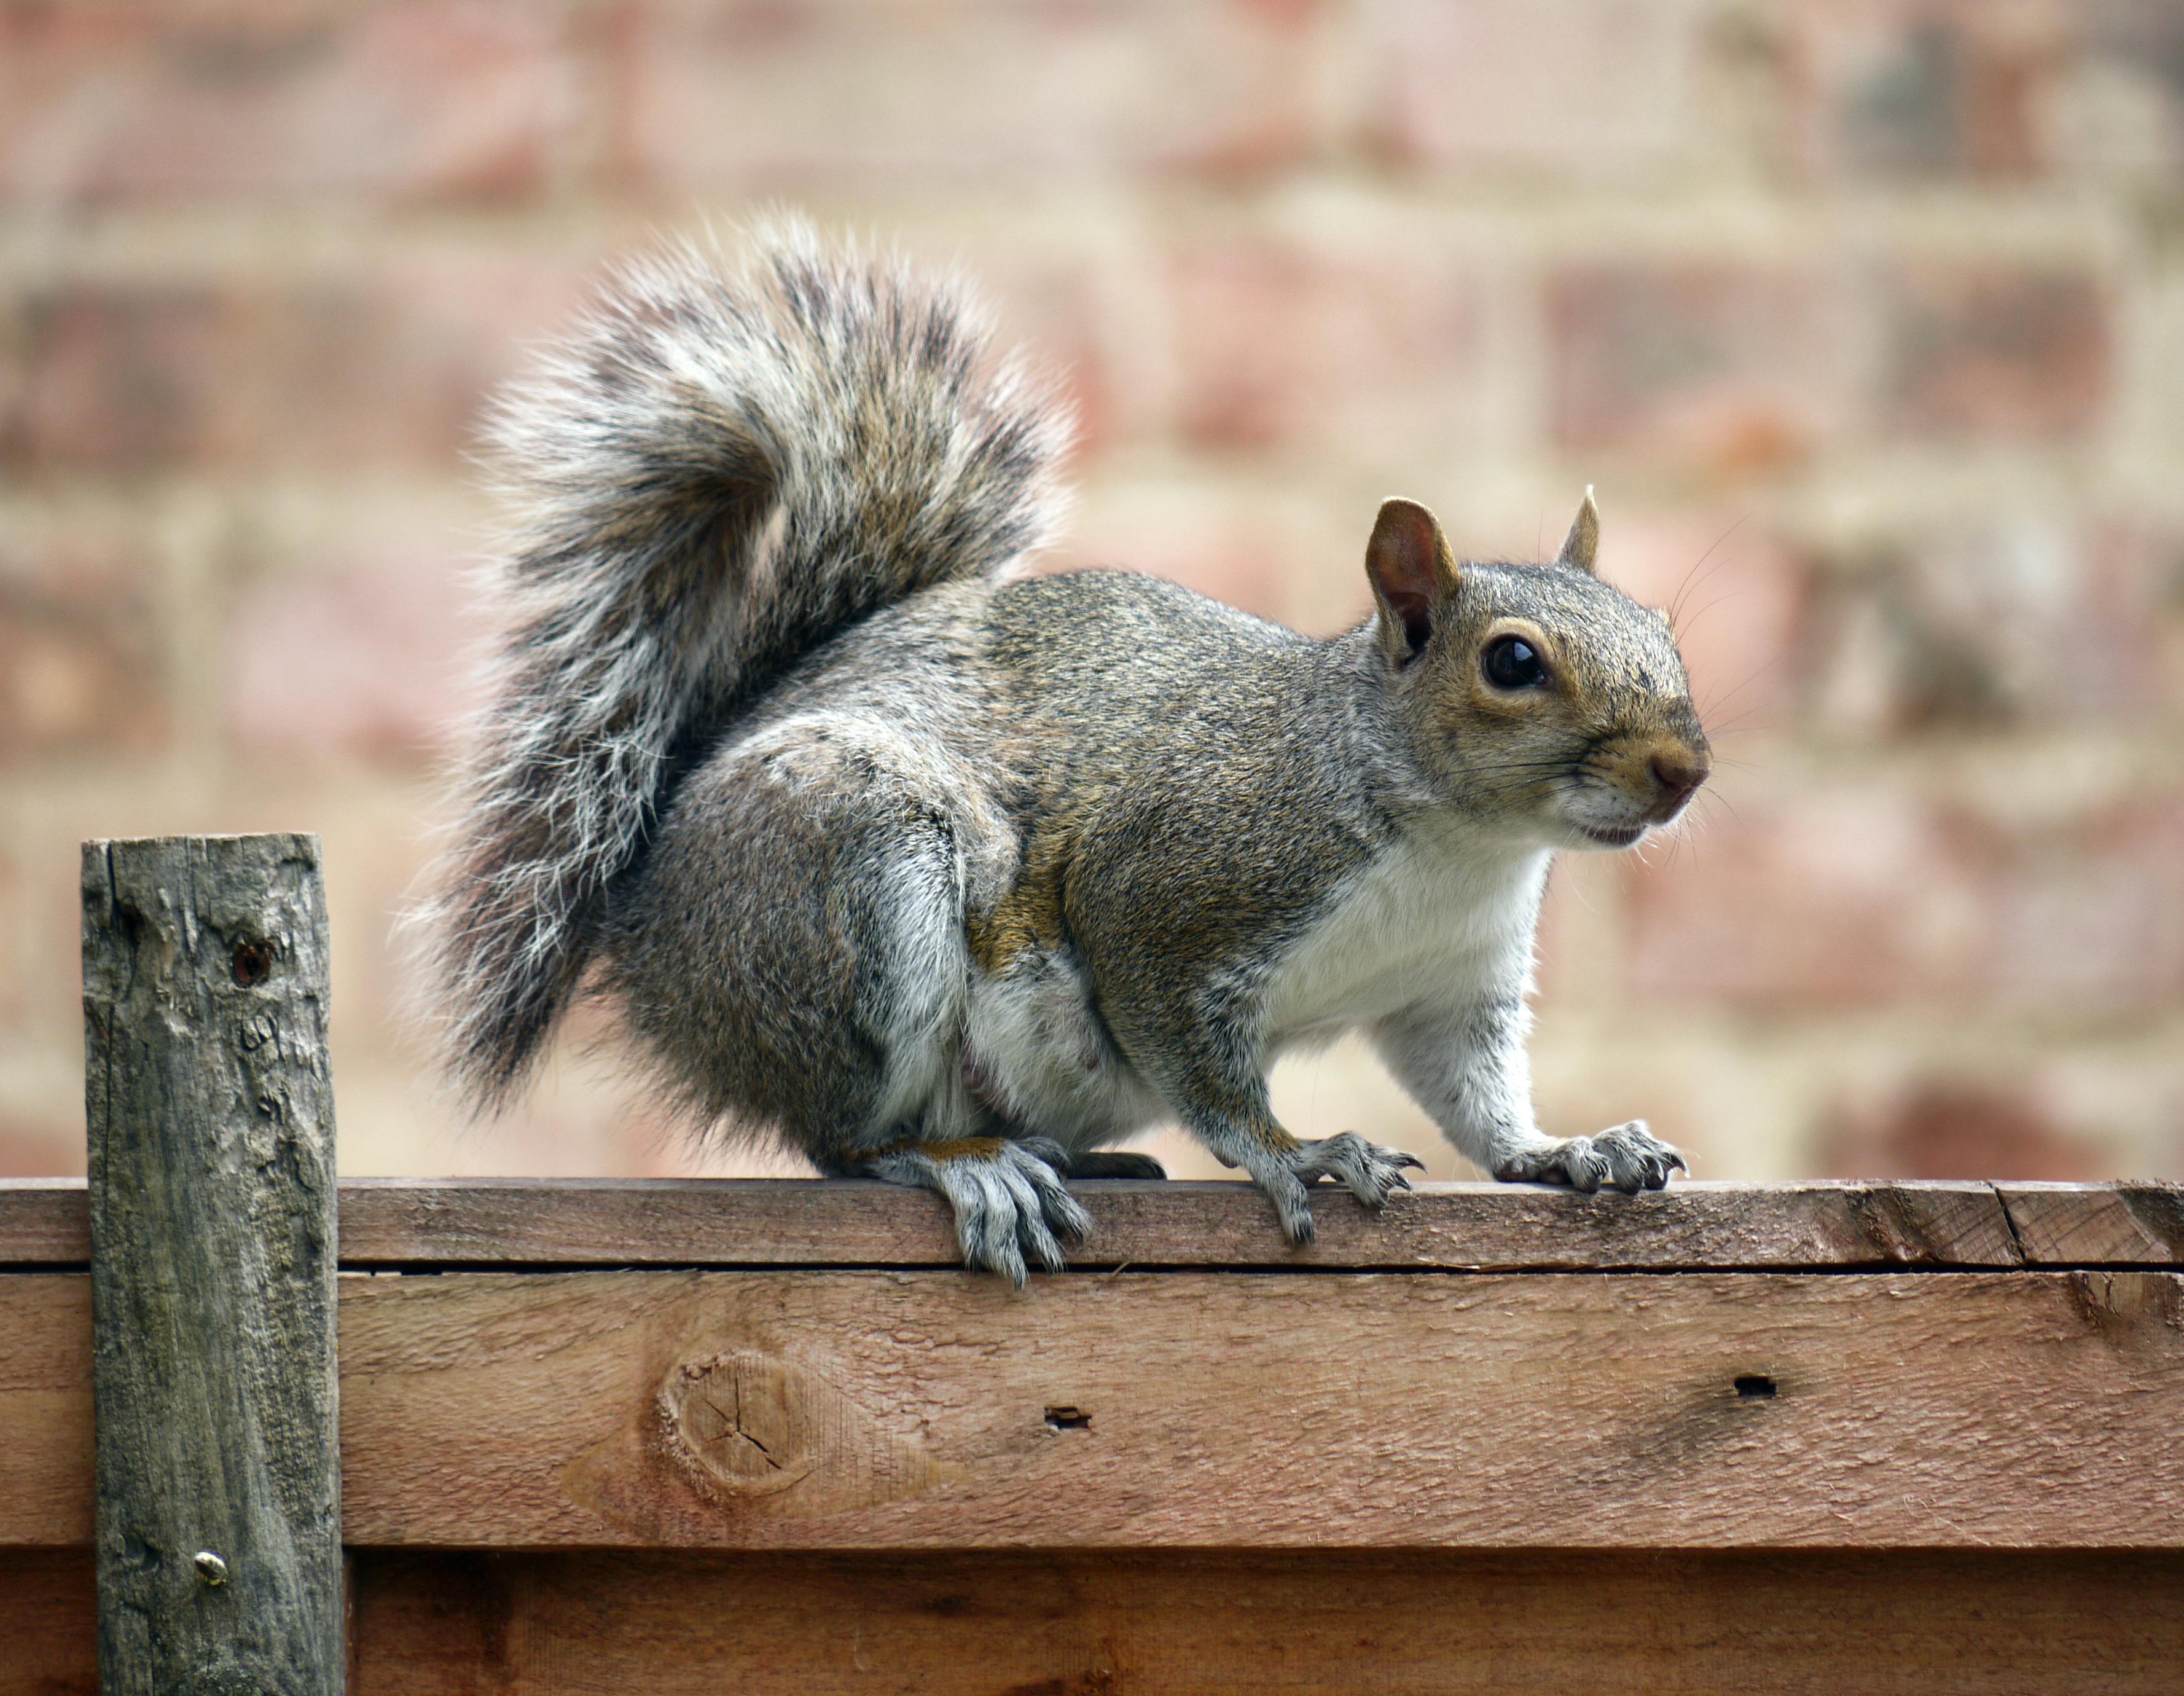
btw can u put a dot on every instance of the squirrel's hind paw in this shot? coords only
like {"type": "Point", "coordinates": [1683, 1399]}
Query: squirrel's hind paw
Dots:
{"type": "Point", "coordinates": [1368, 1171]}
{"type": "Point", "coordinates": [1008, 1204]}
{"type": "Point", "coordinates": [1628, 1158]}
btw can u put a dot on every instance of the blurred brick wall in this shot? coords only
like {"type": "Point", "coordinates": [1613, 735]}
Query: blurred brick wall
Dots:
{"type": "Point", "coordinates": [1866, 318]}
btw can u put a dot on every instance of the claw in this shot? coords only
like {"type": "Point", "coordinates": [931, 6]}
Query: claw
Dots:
{"type": "Point", "coordinates": [1368, 1171]}
{"type": "Point", "coordinates": [1628, 1158]}
{"type": "Point", "coordinates": [1006, 1203]}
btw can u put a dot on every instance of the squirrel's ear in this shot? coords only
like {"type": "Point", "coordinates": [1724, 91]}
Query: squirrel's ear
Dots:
{"type": "Point", "coordinates": [1583, 541]}
{"type": "Point", "coordinates": [1414, 574]}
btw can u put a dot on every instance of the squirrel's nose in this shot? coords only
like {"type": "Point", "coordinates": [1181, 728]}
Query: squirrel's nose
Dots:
{"type": "Point", "coordinates": [1679, 772]}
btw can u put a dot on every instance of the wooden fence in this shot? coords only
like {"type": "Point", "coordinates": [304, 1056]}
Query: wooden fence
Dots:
{"type": "Point", "coordinates": [683, 1436]}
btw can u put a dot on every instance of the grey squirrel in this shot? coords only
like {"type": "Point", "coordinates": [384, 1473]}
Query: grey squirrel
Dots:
{"type": "Point", "coordinates": [955, 876]}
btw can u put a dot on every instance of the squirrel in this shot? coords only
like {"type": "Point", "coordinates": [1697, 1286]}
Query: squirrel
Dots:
{"type": "Point", "coordinates": [945, 874]}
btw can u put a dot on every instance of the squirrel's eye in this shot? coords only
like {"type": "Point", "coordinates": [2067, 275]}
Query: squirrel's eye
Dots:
{"type": "Point", "coordinates": [1511, 662]}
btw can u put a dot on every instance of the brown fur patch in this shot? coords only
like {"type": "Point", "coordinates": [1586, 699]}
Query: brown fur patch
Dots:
{"type": "Point", "coordinates": [1030, 915]}
{"type": "Point", "coordinates": [1268, 1135]}
{"type": "Point", "coordinates": [962, 1148]}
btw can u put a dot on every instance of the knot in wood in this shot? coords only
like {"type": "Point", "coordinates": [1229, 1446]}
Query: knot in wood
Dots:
{"type": "Point", "coordinates": [251, 963]}
{"type": "Point", "coordinates": [743, 1420]}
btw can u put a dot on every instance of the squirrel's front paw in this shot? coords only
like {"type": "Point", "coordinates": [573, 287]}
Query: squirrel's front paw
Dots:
{"type": "Point", "coordinates": [1629, 1157]}
{"type": "Point", "coordinates": [1368, 1171]}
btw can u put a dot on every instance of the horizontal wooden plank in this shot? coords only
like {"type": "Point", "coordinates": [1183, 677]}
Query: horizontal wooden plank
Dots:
{"type": "Point", "coordinates": [841, 1410]}
{"type": "Point", "coordinates": [1487, 1226]}
{"type": "Point", "coordinates": [48, 1623]}
{"type": "Point", "coordinates": [1869, 1624]}
{"type": "Point", "coordinates": [44, 1222]}
{"type": "Point", "coordinates": [866, 1410]}
{"type": "Point", "coordinates": [1304, 1625]}
{"type": "Point", "coordinates": [2096, 1225]}
{"type": "Point", "coordinates": [46, 1493]}
{"type": "Point", "coordinates": [422, 1222]}
{"type": "Point", "coordinates": [1490, 1227]}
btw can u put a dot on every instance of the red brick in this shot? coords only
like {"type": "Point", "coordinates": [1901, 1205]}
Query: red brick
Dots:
{"type": "Point", "coordinates": [1738, 598]}
{"type": "Point", "coordinates": [1246, 557]}
{"type": "Point", "coordinates": [105, 102]}
{"type": "Point", "coordinates": [1892, 88]}
{"type": "Point", "coordinates": [747, 95]}
{"type": "Point", "coordinates": [396, 366]}
{"type": "Point", "coordinates": [1842, 899]}
{"type": "Point", "coordinates": [389, 366]}
{"type": "Point", "coordinates": [41, 922]}
{"type": "Point", "coordinates": [1584, 86]}
{"type": "Point", "coordinates": [1943, 1127]}
{"type": "Point", "coordinates": [80, 668]}
{"type": "Point", "coordinates": [1737, 368]}
{"type": "Point", "coordinates": [1875, 896]}
{"type": "Point", "coordinates": [1572, 932]}
{"type": "Point", "coordinates": [2133, 116]}
{"type": "Point", "coordinates": [1053, 310]}
{"type": "Point", "coordinates": [365, 650]}
{"type": "Point", "coordinates": [123, 377]}
{"type": "Point", "coordinates": [1279, 344]}
{"type": "Point", "coordinates": [1994, 350]}
{"type": "Point", "coordinates": [25, 909]}
{"type": "Point", "coordinates": [2087, 915]}
{"type": "Point", "coordinates": [41, 1147]}
{"type": "Point", "coordinates": [1996, 622]}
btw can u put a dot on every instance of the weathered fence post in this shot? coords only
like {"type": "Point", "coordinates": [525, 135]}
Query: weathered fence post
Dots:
{"type": "Point", "coordinates": [209, 1104]}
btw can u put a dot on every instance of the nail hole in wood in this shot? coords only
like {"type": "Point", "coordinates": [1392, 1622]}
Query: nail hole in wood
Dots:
{"type": "Point", "coordinates": [1068, 1419]}
{"type": "Point", "coordinates": [1755, 1388]}
{"type": "Point", "coordinates": [251, 963]}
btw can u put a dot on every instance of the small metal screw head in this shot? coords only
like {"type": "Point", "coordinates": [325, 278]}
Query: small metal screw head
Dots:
{"type": "Point", "coordinates": [210, 1567]}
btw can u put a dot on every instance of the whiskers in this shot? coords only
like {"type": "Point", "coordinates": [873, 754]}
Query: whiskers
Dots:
{"type": "Point", "coordinates": [1506, 777]}
{"type": "Point", "coordinates": [1672, 839]}
{"type": "Point", "coordinates": [1561, 762]}
{"type": "Point", "coordinates": [1715, 704]}
{"type": "Point", "coordinates": [1693, 580]}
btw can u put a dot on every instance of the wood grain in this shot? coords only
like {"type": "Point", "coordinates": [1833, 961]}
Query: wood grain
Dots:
{"type": "Point", "coordinates": [419, 1223]}
{"type": "Point", "coordinates": [1489, 1226]}
{"type": "Point", "coordinates": [44, 1222]}
{"type": "Point", "coordinates": [48, 1623]}
{"type": "Point", "coordinates": [1304, 1625]}
{"type": "Point", "coordinates": [481, 1410]}
{"type": "Point", "coordinates": [209, 1108]}
{"type": "Point", "coordinates": [47, 1457]}
{"type": "Point", "coordinates": [1872, 1624]}
{"type": "Point", "coordinates": [2112, 1224]}
{"type": "Point", "coordinates": [1278, 1410]}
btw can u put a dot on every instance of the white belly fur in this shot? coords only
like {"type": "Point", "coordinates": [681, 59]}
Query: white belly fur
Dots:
{"type": "Point", "coordinates": [1035, 1054]}
{"type": "Point", "coordinates": [1438, 920]}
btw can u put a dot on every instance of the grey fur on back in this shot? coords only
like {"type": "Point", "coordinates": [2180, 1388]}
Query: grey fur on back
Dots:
{"type": "Point", "coordinates": [721, 469]}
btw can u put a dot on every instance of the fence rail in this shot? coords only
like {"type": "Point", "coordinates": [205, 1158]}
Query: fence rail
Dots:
{"type": "Point", "coordinates": [694, 1435]}
{"type": "Point", "coordinates": [388, 1223]}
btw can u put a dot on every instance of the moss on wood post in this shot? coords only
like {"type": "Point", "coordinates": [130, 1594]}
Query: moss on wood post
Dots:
{"type": "Point", "coordinates": [209, 1107]}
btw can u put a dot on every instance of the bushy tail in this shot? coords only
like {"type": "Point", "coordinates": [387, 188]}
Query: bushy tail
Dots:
{"type": "Point", "coordinates": [720, 471]}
